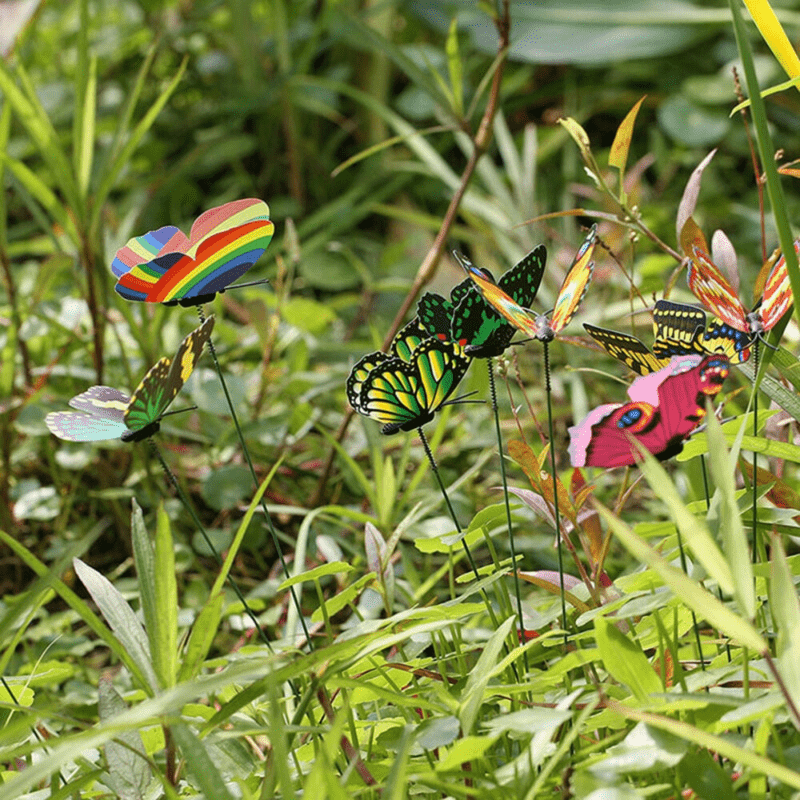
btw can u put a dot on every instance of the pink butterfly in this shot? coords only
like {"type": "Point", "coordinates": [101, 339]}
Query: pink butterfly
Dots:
{"type": "Point", "coordinates": [666, 406]}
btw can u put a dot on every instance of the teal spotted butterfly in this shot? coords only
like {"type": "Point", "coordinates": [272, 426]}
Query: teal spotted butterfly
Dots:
{"type": "Point", "coordinates": [435, 313]}
{"type": "Point", "coordinates": [476, 325]}
{"type": "Point", "coordinates": [107, 413]}
{"type": "Point", "coordinates": [405, 395]}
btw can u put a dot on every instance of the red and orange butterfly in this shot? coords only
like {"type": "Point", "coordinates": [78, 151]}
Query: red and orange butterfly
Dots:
{"type": "Point", "coordinates": [539, 326]}
{"type": "Point", "coordinates": [715, 292]}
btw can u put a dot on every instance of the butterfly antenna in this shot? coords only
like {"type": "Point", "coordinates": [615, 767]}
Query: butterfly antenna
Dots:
{"type": "Point", "coordinates": [556, 515]}
{"type": "Point", "coordinates": [273, 533]}
{"type": "Point", "coordinates": [185, 500]}
{"type": "Point", "coordinates": [517, 592]}
{"type": "Point", "coordinates": [473, 565]}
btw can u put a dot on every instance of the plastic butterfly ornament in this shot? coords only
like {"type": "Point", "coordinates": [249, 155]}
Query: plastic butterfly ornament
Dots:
{"type": "Point", "coordinates": [716, 293]}
{"type": "Point", "coordinates": [665, 407]}
{"type": "Point", "coordinates": [107, 413]}
{"type": "Point", "coordinates": [435, 313]}
{"type": "Point", "coordinates": [407, 340]}
{"type": "Point", "coordinates": [164, 266]}
{"type": "Point", "coordinates": [540, 326]}
{"type": "Point", "coordinates": [404, 389]}
{"type": "Point", "coordinates": [679, 330]}
{"type": "Point", "coordinates": [476, 325]}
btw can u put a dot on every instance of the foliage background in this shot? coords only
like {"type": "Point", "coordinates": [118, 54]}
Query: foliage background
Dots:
{"type": "Point", "coordinates": [274, 101]}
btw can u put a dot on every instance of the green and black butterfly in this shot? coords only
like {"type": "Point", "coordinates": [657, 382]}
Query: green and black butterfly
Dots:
{"type": "Point", "coordinates": [679, 329]}
{"type": "Point", "coordinates": [112, 414]}
{"type": "Point", "coordinates": [435, 313]}
{"type": "Point", "coordinates": [474, 323]}
{"type": "Point", "coordinates": [404, 395]}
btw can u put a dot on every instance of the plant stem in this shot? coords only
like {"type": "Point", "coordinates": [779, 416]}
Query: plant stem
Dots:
{"type": "Point", "coordinates": [273, 533]}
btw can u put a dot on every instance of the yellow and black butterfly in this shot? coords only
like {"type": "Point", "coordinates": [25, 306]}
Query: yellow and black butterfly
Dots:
{"type": "Point", "coordinates": [679, 329]}
{"type": "Point", "coordinates": [112, 414]}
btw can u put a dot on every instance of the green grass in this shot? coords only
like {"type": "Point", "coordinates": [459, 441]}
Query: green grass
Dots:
{"type": "Point", "coordinates": [130, 666]}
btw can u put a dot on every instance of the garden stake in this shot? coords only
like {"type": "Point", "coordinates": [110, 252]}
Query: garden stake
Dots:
{"type": "Point", "coordinates": [174, 481]}
{"type": "Point", "coordinates": [548, 393]}
{"type": "Point", "coordinates": [493, 393]}
{"type": "Point", "coordinates": [755, 455]}
{"type": "Point", "coordinates": [275, 541]}
{"type": "Point", "coordinates": [471, 560]}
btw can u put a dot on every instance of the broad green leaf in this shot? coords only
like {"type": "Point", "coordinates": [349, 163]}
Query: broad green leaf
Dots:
{"type": "Point", "coordinates": [454, 67]}
{"type": "Point", "coordinates": [127, 766]}
{"type": "Point", "coordinates": [693, 530]}
{"type": "Point", "coordinates": [465, 750]}
{"type": "Point", "coordinates": [702, 602]}
{"type": "Point", "coordinates": [625, 661]}
{"type": "Point", "coordinates": [202, 637]}
{"type": "Point", "coordinates": [333, 605]}
{"type": "Point", "coordinates": [618, 155]}
{"type": "Point", "coordinates": [642, 750]}
{"type": "Point", "coordinates": [120, 617]}
{"type": "Point", "coordinates": [786, 612]}
{"type": "Point", "coordinates": [164, 639]}
{"type": "Point", "coordinates": [200, 765]}
{"type": "Point", "coordinates": [722, 745]}
{"type": "Point", "coordinates": [731, 530]}
{"type": "Point", "coordinates": [480, 675]}
{"type": "Point", "coordinates": [322, 571]}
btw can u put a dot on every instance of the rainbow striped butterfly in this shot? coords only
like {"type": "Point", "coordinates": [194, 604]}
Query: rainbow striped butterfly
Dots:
{"type": "Point", "coordinates": [715, 292]}
{"type": "Point", "coordinates": [164, 266]}
{"type": "Point", "coordinates": [476, 325]}
{"type": "Point", "coordinates": [539, 326]}
{"type": "Point", "coordinates": [112, 414]}
{"type": "Point", "coordinates": [679, 330]}
{"type": "Point", "coordinates": [666, 406]}
{"type": "Point", "coordinates": [405, 395]}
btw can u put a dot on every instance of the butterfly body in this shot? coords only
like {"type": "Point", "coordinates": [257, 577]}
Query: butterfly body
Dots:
{"type": "Point", "coordinates": [715, 292]}
{"type": "Point", "coordinates": [164, 266]}
{"type": "Point", "coordinates": [107, 413]}
{"type": "Point", "coordinates": [664, 408]}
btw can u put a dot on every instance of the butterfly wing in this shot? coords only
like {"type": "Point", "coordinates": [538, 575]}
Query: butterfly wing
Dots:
{"type": "Point", "coordinates": [359, 374]}
{"type": "Point", "coordinates": [721, 338]}
{"type": "Point", "coordinates": [710, 287]}
{"type": "Point", "coordinates": [435, 314]}
{"type": "Point", "coordinates": [104, 407]}
{"type": "Point", "coordinates": [164, 380]}
{"type": "Point", "coordinates": [575, 284]}
{"type": "Point", "coordinates": [408, 339]}
{"type": "Point", "coordinates": [225, 242]}
{"type": "Point", "coordinates": [505, 305]}
{"type": "Point", "coordinates": [603, 438]}
{"type": "Point", "coordinates": [625, 348]}
{"type": "Point", "coordinates": [777, 298]}
{"type": "Point", "coordinates": [522, 281]}
{"type": "Point", "coordinates": [404, 396]}
{"type": "Point", "coordinates": [678, 329]}
{"type": "Point", "coordinates": [479, 329]}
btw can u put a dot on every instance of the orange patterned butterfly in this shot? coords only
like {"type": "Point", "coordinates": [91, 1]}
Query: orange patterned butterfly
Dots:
{"type": "Point", "coordinates": [539, 326]}
{"type": "Point", "coordinates": [715, 292]}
